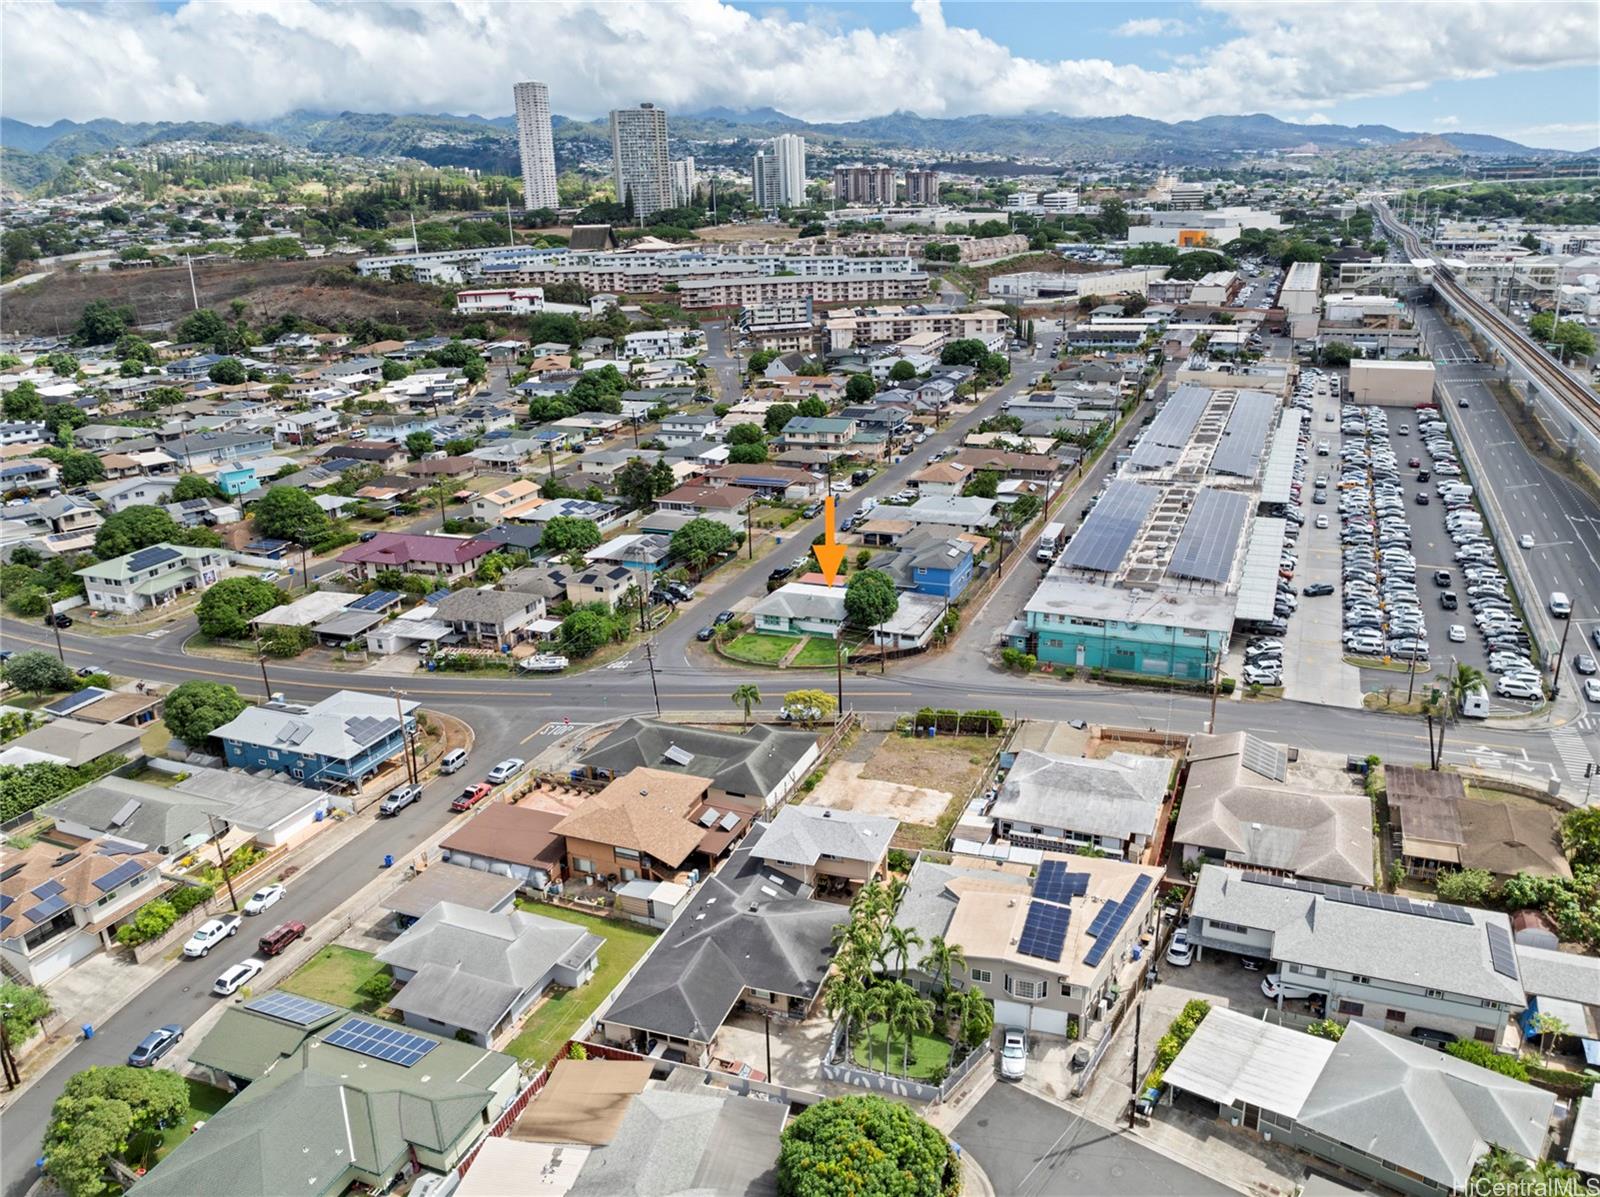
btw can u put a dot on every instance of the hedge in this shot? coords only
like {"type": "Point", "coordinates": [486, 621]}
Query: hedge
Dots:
{"type": "Point", "coordinates": [978, 723]}
{"type": "Point", "coordinates": [25, 787]}
{"type": "Point", "coordinates": [1170, 1044]}
{"type": "Point", "coordinates": [1485, 1056]}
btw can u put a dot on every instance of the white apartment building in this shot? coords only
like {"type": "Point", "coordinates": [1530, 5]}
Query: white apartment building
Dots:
{"type": "Point", "coordinates": [785, 327]}
{"type": "Point", "coordinates": [640, 167]}
{"type": "Point", "coordinates": [631, 273]}
{"type": "Point", "coordinates": [508, 301]}
{"type": "Point", "coordinates": [893, 325]}
{"type": "Point", "coordinates": [536, 144]}
{"type": "Point", "coordinates": [660, 342]}
{"type": "Point", "coordinates": [684, 181]}
{"type": "Point", "coordinates": [778, 173]}
{"type": "Point", "coordinates": [750, 291]}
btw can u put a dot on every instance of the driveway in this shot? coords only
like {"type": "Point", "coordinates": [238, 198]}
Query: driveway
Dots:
{"type": "Point", "coordinates": [1029, 1148]}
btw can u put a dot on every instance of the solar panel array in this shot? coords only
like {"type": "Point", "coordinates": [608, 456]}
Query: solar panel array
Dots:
{"type": "Point", "coordinates": [48, 889]}
{"type": "Point", "coordinates": [1265, 759]}
{"type": "Point", "coordinates": [124, 872]}
{"type": "Point", "coordinates": [381, 1042]}
{"type": "Point", "coordinates": [1055, 884]}
{"type": "Point", "coordinates": [376, 601]}
{"type": "Point", "coordinates": [152, 557]}
{"type": "Point", "coordinates": [1210, 536]}
{"type": "Point", "coordinates": [1103, 541]}
{"type": "Point", "coordinates": [1362, 897]}
{"type": "Point", "coordinates": [366, 729]}
{"type": "Point", "coordinates": [1170, 431]}
{"type": "Point", "coordinates": [1244, 439]}
{"type": "Point", "coordinates": [1501, 954]}
{"type": "Point", "coordinates": [1110, 920]}
{"type": "Point", "coordinates": [72, 702]}
{"type": "Point", "coordinates": [5, 921]}
{"type": "Point", "coordinates": [291, 1007]}
{"type": "Point", "coordinates": [678, 756]}
{"type": "Point", "coordinates": [1044, 934]}
{"type": "Point", "coordinates": [49, 908]}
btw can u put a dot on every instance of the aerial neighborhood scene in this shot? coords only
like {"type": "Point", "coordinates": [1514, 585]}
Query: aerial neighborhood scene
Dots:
{"type": "Point", "coordinates": [703, 599]}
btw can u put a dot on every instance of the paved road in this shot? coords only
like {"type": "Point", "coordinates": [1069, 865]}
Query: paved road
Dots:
{"type": "Point", "coordinates": [1030, 1148]}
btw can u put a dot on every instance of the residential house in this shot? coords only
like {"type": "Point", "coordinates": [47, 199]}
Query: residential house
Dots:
{"type": "Point", "coordinates": [324, 1107]}
{"type": "Point", "coordinates": [386, 455]}
{"type": "Point", "coordinates": [472, 889]}
{"type": "Point", "coordinates": [1565, 985]}
{"type": "Point", "coordinates": [801, 609]}
{"type": "Point", "coordinates": [523, 538]}
{"type": "Point", "coordinates": [305, 427]}
{"type": "Point", "coordinates": [941, 478]}
{"type": "Point", "coordinates": [768, 481]}
{"type": "Point", "coordinates": [1028, 467]}
{"type": "Point", "coordinates": [1075, 804]}
{"type": "Point", "coordinates": [634, 551]}
{"type": "Point", "coordinates": [203, 449]}
{"type": "Point", "coordinates": [488, 617]}
{"type": "Point", "coordinates": [890, 418]}
{"type": "Point", "coordinates": [63, 904]}
{"type": "Point", "coordinates": [932, 562]}
{"type": "Point", "coordinates": [1434, 826]}
{"type": "Point", "coordinates": [469, 973]}
{"type": "Point", "coordinates": [703, 500]}
{"type": "Point", "coordinates": [517, 842]}
{"type": "Point", "coordinates": [606, 584]}
{"type": "Point", "coordinates": [444, 557]}
{"type": "Point", "coordinates": [341, 740]}
{"type": "Point", "coordinates": [912, 626]}
{"type": "Point", "coordinates": [1393, 963]}
{"type": "Point", "coordinates": [1246, 804]}
{"type": "Point", "coordinates": [73, 742]}
{"type": "Point", "coordinates": [752, 937]}
{"type": "Point", "coordinates": [604, 515]}
{"type": "Point", "coordinates": [354, 372]}
{"type": "Point", "coordinates": [833, 851]}
{"type": "Point", "coordinates": [508, 456]}
{"type": "Point", "coordinates": [150, 577]}
{"type": "Point", "coordinates": [682, 428]}
{"type": "Point", "coordinates": [830, 434]}
{"type": "Point", "coordinates": [29, 474]}
{"type": "Point", "coordinates": [757, 768]}
{"type": "Point", "coordinates": [506, 502]}
{"type": "Point", "coordinates": [1052, 952]}
{"type": "Point", "coordinates": [1394, 1111]}
{"type": "Point", "coordinates": [652, 824]}
{"type": "Point", "coordinates": [953, 511]}
{"type": "Point", "coordinates": [135, 706]}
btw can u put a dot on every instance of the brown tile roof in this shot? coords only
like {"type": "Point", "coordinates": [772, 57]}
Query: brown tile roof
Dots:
{"type": "Point", "coordinates": [1508, 838]}
{"type": "Point", "coordinates": [462, 466]}
{"type": "Point", "coordinates": [518, 834]}
{"type": "Point", "coordinates": [1428, 802]}
{"type": "Point", "coordinates": [648, 810]}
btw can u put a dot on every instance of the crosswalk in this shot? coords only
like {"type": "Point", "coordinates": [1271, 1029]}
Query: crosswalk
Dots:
{"type": "Point", "coordinates": [1574, 753]}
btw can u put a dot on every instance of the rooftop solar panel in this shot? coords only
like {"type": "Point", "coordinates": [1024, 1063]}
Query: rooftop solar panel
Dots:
{"type": "Point", "coordinates": [1244, 439]}
{"type": "Point", "coordinates": [5, 921]}
{"type": "Point", "coordinates": [48, 889]}
{"type": "Point", "coordinates": [127, 811]}
{"type": "Point", "coordinates": [1045, 931]}
{"type": "Point", "coordinates": [365, 729]}
{"type": "Point", "coordinates": [1501, 954]}
{"type": "Point", "coordinates": [124, 872]}
{"type": "Point", "coordinates": [1170, 431]}
{"type": "Point", "coordinates": [376, 601]}
{"type": "Point", "coordinates": [49, 908]}
{"type": "Point", "coordinates": [291, 1007]}
{"type": "Point", "coordinates": [152, 557]}
{"type": "Point", "coordinates": [1055, 884]}
{"type": "Point", "coordinates": [72, 702]}
{"type": "Point", "coordinates": [1210, 538]}
{"type": "Point", "coordinates": [381, 1042]}
{"type": "Point", "coordinates": [1103, 540]}
{"type": "Point", "coordinates": [1265, 759]}
{"type": "Point", "coordinates": [6, 900]}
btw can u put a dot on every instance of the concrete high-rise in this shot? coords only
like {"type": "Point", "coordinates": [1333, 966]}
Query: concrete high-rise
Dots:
{"type": "Point", "coordinates": [922, 186]}
{"type": "Point", "coordinates": [864, 185]}
{"type": "Point", "coordinates": [536, 143]}
{"type": "Point", "coordinates": [684, 182]}
{"type": "Point", "coordinates": [640, 167]}
{"type": "Point", "coordinates": [778, 173]}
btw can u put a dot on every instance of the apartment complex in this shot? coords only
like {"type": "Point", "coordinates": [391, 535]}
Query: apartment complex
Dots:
{"type": "Point", "coordinates": [922, 186]}
{"type": "Point", "coordinates": [753, 291]}
{"type": "Point", "coordinates": [863, 184]}
{"type": "Point", "coordinates": [684, 182]}
{"type": "Point", "coordinates": [778, 174]}
{"type": "Point", "coordinates": [640, 167]}
{"type": "Point", "coordinates": [892, 325]}
{"type": "Point", "coordinates": [536, 144]}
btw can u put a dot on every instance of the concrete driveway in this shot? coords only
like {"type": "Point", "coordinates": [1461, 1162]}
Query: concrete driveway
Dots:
{"type": "Point", "coordinates": [1029, 1147]}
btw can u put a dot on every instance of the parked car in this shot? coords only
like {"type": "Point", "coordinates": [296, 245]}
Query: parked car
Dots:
{"type": "Point", "coordinates": [453, 760]}
{"type": "Point", "coordinates": [57, 621]}
{"type": "Point", "coordinates": [398, 799]}
{"type": "Point", "coordinates": [1014, 1054]}
{"type": "Point", "coordinates": [280, 937]}
{"type": "Point", "coordinates": [471, 796]}
{"type": "Point", "coordinates": [1317, 589]}
{"type": "Point", "coordinates": [238, 975]}
{"type": "Point", "coordinates": [209, 934]}
{"type": "Point", "coordinates": [264, 899]}
{"type": "Point", "coordinates": [1180, 951]}
{"type": "Point", "coordinates": [811, 510]}
{"type": "Point", "coordinates": [723, 617]}
{"type": "Point", "coordinates": [155, 1045]}
{"type": "Point", "coordinates": [1438, 1040]}
{"type": "Point", "coordinates": [1273, 987]}
{"type": "Point", "coordinates": [705, 633]}
{"type": "Point", "coordinates": [506, 770]}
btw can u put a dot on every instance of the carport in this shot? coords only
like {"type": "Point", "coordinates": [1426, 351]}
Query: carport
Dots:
{"type": "Point", "coordinates": [1258, 584]}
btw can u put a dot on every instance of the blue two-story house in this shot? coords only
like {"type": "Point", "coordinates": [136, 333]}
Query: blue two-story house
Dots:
{"type": "Point", "coordinates": [340, 741]}
{"type": "Point", "coordinates": [935, 565]}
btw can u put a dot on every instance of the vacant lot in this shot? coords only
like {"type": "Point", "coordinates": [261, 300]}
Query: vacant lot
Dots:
{"type": "Point", "coordinates": [923, 783]}
{"type": "Point", "coordinates": [760, 649]}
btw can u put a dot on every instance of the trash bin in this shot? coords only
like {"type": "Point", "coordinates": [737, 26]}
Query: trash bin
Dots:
{"type": "Point", "coordinates": [388, 860]}
{"type": "Point", "coordinates": [88, 1031]}
{"type": "Point", "coordinates": [932, 732]}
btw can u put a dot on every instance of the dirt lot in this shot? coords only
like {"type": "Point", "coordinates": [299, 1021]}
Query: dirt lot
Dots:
{"type": "Point", "coordinates": [896, 775]}
{"type": "Point", "coordinates": [747, 232]}
{"type": "Point", "coordinates": [319, 290]}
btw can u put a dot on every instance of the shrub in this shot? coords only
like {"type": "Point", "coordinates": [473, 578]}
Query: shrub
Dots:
{"type": "Point", "coordinates": [152, 921]}
{"type": "Point", "coordinates": [285, 642]}
{"type": "Point", "coordinates": [186, 897]}
{"type": "Point", "coordinates": [377, 987]}
{"type": "Point", "coordinates": [899, 860]}
{"type": "Point", "coordinates": [1326, 1028]}
{"type": "Point", "coordinates": [577, 1051]}
{"type": "Point", "coordinates": [1471, 887]}
{"type": "Point", "coordinates": [1015, 658]}
{"type": "Point", "coordinates": [22, 1007]}
{"type": "Point", "coordinates": [1485, 1056]}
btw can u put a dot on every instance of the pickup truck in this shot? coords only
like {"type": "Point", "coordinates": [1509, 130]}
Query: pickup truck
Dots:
{"type": "Point", "coordinates": [471, 796]}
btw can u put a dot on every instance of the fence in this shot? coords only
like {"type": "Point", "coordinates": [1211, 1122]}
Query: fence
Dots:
{"type": "Point", "coordinates": [837, 1067]}
{"type": "Point", "coordinates": [1126, 1002]}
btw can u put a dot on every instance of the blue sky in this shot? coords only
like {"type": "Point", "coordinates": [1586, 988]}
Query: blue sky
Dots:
{"type": "Point", "coordinates": [1530, 72]}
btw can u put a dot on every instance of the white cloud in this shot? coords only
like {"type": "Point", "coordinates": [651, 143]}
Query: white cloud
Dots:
{"type": "Point", "coordinates": [253, 59]}
{"type": "Point", "coordinates": [1447, 122]}
{"type": "Point", "coordinates": [1316, 118]}
{"type": "Point", "coordinates": [1151, 27]}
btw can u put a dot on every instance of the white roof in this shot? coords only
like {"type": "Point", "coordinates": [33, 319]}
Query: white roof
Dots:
{"type": "Point", "coordinates": [1233, 1059]}
{"type": "Point", "coordinates": [307, 609]}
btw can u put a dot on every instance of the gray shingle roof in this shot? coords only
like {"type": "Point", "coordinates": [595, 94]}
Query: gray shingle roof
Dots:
{"type": "Point", "coordinates": [154, 816]}
{"type": "Point", "coordinates": [752, 764]}
{"type": "Point", "coordinates": [1118, 797]}
{"type": "Point", "coordinates": [484, 606]}
{"type": "Point", "coordinates": [802, 835]}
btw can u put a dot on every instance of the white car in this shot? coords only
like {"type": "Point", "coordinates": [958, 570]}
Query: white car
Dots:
{"type": "Point", "coordinates": [232, 979]}
{"type": "Point", "coordinates": [1591, 689]}
{"type": "Point", "coordinates": [209, 934]}
{"type": "Point", "coordinates": [1457, 634]}
{"type": "Point", "coordinates": [1014, 1054]}
{"type": "Point", "coordinates": [1525, 540]}
{"type": "Point", "coordinates": [1515, 687]}
{"type": "Point", "coordinates": [1180, 951]}
{"type": "Point", "coordinates": [1322, 521]}
{"type": "Point", "coordinates": [506, 770]}
{"type": "Point", "coordinates": [1273, 986]}
{"type": "Point", "coordinates": [264, 899]}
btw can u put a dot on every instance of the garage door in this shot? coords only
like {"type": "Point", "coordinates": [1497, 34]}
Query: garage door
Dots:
{"type": "Point", "coordinates": [1050, 1022]}
{"type": "Point", "coordinates": [1011, 1014]}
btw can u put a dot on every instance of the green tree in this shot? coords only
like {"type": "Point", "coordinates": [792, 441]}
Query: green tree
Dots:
{"type": "Point", "coordinates": [636, 483]}
{"type": "Point", "coordinates": [37, 672]}
{"type": "Point", "coordinates": [569, 534]}
{"type": "Point", "coordinates": [202, 327]}
{"type": "Point", "coordinates": [134, 348]}
{"type": "Point", "coordinates": [1468, 887]}
{"type": "Point", "coordinates": [749, 453]}
{"type": "Point", "coordinates": [985, 484]}
{"type": "Point", "coordinates": [225, 610]}
{"type": "Point", "coordinates": [870, 598]}
{"type": "Point", "coordinates": [193, 486]}
{"type": "Point", "coordinates": [745, 696]}
{"type": "Point", "coordinates": [196, 709]}
{"type": "Point", "coordinates": [812, 408]}
{"type": "Point", "coordinates": [1337, 353]}
{"type": "Point", "coordinates": [859, 388]}
{"type": "Point", "coordinates": [975, 1015]}
{"type": "Point", "coordinates": [746, 434]}
{"type": "Point", "coordinates": [419, 444]}
{"type": "Point", "coordinates": [942, 961]}
{"type": "Point", "coordinates": [22, 1007]}
{"type": "Point", "coordinates": [810, 707]}
{"type": "Point", "coordinates": [1507, 1174]}
{"type": "Point", "coordinates": [78, 468]}
{"type": "Point", "coordinates": [698, 541]}
{"type": "Point", "coordinates": [778, 415]}
{"type": "Point", "coordinates": [100, 1112]}
{"type": "Point", "coordinates": [228, 372]}
{"type": "Point", "coordinates": [1458, 685]}
{"type": "Point", "coordinates": [1580, 836]}
{"type": "Point", "coordinates": [584, 632]}
{"type": "Point", "coordinates": [288, 513]}
{"type": "Point", "coordinates": [760, 360]}
{"type": "Point", "coordinates": [101, 323]}
{"type": "Point", "coordinates": [863, 1144]}
{"type": "Point", "coordinates": [23, 402]}
{"type": "Point", "coordinates": [902, 371]}
{"type": "Point", "coordinates": [392, 370]}
{"type": "Point", "coordinates": [968, 351]}
{"type": "Point", "coordinates": [27, 601]}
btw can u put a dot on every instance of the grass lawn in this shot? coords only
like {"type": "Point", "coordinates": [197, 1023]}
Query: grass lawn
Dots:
{"type": "Point", "coordinates": [758, 648]}
{"type": "Point", "coordinates": [553, 1022]}
{"type": "Point", "coordinates": [333, 975]}
{"type": "Point", "coordinates": [204, 1102]}
{"type": "Point", "coordinates": [819, 650]}
{"type": "Point", "coordinates": [929, 1055]}
{"type": "Point", "coordinates": [155, 739]}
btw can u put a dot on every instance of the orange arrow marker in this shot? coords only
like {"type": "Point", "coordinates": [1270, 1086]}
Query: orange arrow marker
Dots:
{"type": "Point", "coordinates": [830, 556]}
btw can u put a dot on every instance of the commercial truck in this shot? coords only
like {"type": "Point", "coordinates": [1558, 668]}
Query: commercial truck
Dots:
{"type": "Point", "coordinates": [1051, 541]}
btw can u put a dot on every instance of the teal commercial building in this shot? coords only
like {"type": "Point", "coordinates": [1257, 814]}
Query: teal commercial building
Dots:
{"type": "Point", "coordinates": [1071, 623]}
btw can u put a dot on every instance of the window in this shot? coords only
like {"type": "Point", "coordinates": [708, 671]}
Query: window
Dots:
{"type": "Point", "coordinates": [1218, 925]}
{"type": "Point", "coordinates": [1433, 993]}
{"type": "Point", "coordinates": [1353, 1009]}
{"type": "Point", "coordinates": [1359, 980]}
{"type": "Point", "coordinates": [982, 975]}
{"type": "Point", "coordinates": [272, 754]}
{"type": "Point", "coordinates": [1395, 1015]}
{"type": "Point", "coordinates": [582, 865]}
{"type": "Point", "coordinates": [1066, 990]}
{"type": "Point", "coordinates": [1023, 987]}
{"type": "Point", "coordinates": [1484, 1034]}
{"type": "Point", "coordinates": [626, 853]}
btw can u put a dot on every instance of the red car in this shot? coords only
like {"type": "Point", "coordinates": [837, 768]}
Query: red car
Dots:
{"type": "Point", "coordinates": [471, 796]}
{"type": "Point", "coordinates": [1414, 462]}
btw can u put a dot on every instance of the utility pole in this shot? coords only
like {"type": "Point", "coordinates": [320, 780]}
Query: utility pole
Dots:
{"type": "Point", "coordinates": [222, 861]}
{"type": "Point", "coordinates": [1133, 1081]}
{"type": "Point", "coordinates": [194, 294]}
{"type": "Point", "coordinates": [1555, 678]}
{"type": "Point", "coordinates": [266, 686]}
{"type": "Point", "coordinates": [409, 759]}
{"type": "Point", "coordinates": [56, 628]}
{"type": "Point", "coordinates": [1216, 685]}
{"type": "Point", "coordinates": [838, 669]}
{"type": "Point", "coordinates": [650, 657]}
{"type": "Point", "coordinates": [749, 534]}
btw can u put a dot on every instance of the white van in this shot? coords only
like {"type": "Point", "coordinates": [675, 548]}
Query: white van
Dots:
{"type": "Point", "coordinates": [1475, 703]}
{"type": "Point", "coordinates": [453, 760]}
{"type": "Point", "coordinates": [1560, 605]}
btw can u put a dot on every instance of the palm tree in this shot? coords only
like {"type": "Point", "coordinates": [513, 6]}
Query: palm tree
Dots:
{"type": "Point", "coordinates": [1460, 683]}
{"type": "Point", "coordinates": [853, 950]}
{"type": "Point", "coordinates": [845, 999]}
{"type": "Point", "coordinates": [942, 960]}
{"type": "Point", "coordinates": [912, 1015]}
{"type": "Point", "coordinates": [976, 1017]}
{"type": "Point", "coordinates": [875, 1002]}
{"type": "Point", "coordinates": [901, 940]}
{"type": "Point", "coordinates": [746, 695]}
